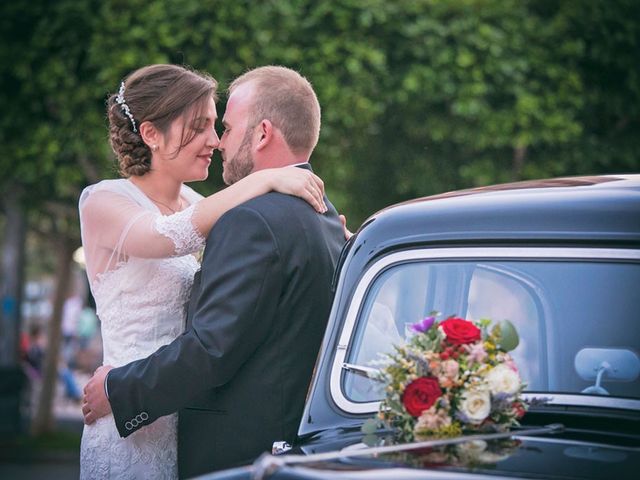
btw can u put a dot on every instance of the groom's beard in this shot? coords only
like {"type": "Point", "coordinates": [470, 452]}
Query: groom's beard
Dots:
{"type": "Point", "coordinates": [241, 164]}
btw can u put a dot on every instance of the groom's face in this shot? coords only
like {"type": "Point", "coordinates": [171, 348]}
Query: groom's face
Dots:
{"type": "Point", "coordinates": [237, 140]}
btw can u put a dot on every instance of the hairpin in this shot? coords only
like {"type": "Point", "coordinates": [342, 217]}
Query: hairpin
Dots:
{"type": "Point", "coordinates": [124, 106]}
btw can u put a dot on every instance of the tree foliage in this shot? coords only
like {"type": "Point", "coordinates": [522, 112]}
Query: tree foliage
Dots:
{"type": "Point", "coordinates": [53, 127]}
{"type": "Point", "coordinates": [418, 96]}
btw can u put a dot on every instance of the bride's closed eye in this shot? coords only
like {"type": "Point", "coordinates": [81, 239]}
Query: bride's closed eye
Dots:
{"type": "Point", "coordinates": [199, 126]}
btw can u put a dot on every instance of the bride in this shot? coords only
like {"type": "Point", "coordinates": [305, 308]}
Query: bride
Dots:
{"type": "Point", "coordinates": [142, 233]}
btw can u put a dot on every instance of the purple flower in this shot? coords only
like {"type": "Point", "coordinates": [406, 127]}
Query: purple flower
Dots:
{"type": "Point", "coordinates": [423, 325]}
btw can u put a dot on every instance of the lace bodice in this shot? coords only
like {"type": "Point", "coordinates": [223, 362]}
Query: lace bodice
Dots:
{"type": "Point", "coordinates": [141, 305]}
{"type": "Point", "coordinates": [140, 266]}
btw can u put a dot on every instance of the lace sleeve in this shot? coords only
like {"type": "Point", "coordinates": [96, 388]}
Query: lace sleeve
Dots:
{"type": "Point", "coordinates": [180, 229]}
{"type": "Point", "coordinates": [115, 226]}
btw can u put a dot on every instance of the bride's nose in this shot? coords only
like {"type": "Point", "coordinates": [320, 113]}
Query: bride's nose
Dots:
{"type": "Point", "coordinates": [213, 140]}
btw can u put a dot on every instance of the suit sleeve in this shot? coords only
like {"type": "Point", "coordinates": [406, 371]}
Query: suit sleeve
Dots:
{"type": "Point", "coordinates": [241, 281]}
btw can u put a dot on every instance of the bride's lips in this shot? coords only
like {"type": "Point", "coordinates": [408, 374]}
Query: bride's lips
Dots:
{"type": "Point", "coordinates": [206, 158]}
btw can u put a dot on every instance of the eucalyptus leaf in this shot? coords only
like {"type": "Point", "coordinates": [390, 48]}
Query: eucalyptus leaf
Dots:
{"type": "Point", "coordinates": [370, 426]}
{"type": "Point", "coordinates": [370, 440]}
{"type": "Point", "coordinates": [509, 339]}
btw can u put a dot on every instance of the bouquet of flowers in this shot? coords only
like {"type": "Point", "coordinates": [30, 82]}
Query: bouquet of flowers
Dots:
{"type": "Point", "coordinates": [451, 377]}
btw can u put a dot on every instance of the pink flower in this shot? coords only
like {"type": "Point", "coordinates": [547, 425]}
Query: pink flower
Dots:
{"type": "Point", "coordinates": [432, 419]}
{"type": "Point", "coordinates": [477, 352]}
{"type": "Point", "coordinates": [450, 368]}
{"type": "Point", "coordinates": [448, 373]}
{"type": "Point", "coordinates": [507, 359]}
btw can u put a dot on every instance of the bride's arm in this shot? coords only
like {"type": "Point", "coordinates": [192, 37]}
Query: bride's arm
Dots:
{"type": "Point", "coordinates": [290, 180]}
{"type": "Point", "coordinates": [115, 226]}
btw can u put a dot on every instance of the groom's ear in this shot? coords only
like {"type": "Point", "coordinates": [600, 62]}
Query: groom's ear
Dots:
{"type": "Point", "coordinates": [265, 134]}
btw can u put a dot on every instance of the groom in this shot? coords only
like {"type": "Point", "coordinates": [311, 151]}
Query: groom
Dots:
{"type": "Point", "coordinates": [240, 372]}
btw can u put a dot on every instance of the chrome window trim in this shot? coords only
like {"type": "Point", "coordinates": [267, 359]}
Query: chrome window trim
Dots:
{"type": "Point", "coordinates": [484, 253]}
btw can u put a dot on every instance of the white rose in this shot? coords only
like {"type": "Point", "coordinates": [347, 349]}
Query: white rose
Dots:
{"type": "Point", "coordinates": [472, 448]}
{"type": "Point", "coordinates": [475, 405]}
{"type": "Point", "coordinates": [503, 381]}
{"type": "Point", "coordinates": [492, 457]}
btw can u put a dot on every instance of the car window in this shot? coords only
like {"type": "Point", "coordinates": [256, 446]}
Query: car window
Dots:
{"type": "Point", "coordinates": [560, 308]}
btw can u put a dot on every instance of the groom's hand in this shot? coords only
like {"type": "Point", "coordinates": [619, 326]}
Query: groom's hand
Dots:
{"type": "Point", "coordinates": [96, 404]}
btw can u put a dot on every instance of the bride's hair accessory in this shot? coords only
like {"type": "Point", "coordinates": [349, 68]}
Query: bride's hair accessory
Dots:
{"type": "Point", "coordinates": [125, 108]}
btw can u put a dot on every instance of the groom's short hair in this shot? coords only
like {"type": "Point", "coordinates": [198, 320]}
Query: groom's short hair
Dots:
{"type": "Point", "coordinates": [287, 100]}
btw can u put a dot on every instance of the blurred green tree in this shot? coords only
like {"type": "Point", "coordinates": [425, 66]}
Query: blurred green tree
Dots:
{"type": "Point", "coordinates": [51, 133]}
{"type": "Point", "coordinates": [609, 115]}
{"type": "Point", "coordinates": [418, 96]}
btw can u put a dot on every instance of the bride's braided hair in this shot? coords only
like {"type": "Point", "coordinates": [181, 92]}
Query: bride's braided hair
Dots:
{"type": "Point", "coordinates": [158, 94]}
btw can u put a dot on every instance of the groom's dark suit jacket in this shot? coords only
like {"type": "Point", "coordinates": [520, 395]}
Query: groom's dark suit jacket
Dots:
{"type": "Point", "coordinates": [240, 372]}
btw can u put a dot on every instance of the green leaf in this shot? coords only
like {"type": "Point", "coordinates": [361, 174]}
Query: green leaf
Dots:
{"type": "Point", "coordinates": [370, 426]}
{"type": "Point", "coordinates": [370, 440]}
{"type": "Point", "coordinates": [509, 339]}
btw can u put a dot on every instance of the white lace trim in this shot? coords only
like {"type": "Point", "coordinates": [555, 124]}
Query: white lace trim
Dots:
{"type": "Point", "coordinates": [148, 454]}
{"type": "Point", "coordinates": [181, 231]}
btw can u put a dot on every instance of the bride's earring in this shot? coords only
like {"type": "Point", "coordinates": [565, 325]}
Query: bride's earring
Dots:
{"type": "Point", "coordinates": [154, 147]}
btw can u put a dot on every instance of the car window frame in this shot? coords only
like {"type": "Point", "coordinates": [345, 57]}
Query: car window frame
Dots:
{"type": "Point", "coordinates": [477, 254]}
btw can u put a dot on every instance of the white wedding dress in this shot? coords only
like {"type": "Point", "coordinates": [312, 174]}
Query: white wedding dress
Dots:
{"type": "Point", "coordinates": [140, 265]}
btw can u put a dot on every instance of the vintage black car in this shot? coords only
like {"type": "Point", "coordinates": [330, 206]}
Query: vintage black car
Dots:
{"type": "Point", "coordinates": [560, 259]}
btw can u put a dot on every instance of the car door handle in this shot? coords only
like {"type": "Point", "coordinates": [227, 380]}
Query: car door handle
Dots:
{"type": "Point", "coordinates": [367, 372]}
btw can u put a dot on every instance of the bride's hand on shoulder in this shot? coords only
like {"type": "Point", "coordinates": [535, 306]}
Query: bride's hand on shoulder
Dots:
{"type": "Point", "coordinates": [299, 182]}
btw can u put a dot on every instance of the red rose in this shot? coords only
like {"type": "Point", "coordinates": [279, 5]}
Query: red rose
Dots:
{"type": "Point", "coordinates": [459, 331]}
{"type": "Point", "coordinates": [519, 410]}
{"type": "Point", "coordinates": [420, 395]}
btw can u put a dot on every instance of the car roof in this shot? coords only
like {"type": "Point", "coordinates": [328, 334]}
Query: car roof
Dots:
{"type": "Point", "coordinates": [596, 209]}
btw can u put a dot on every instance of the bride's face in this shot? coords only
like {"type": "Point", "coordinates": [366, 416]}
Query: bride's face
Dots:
{"type": "Point", "coordinates": [192, 161]}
